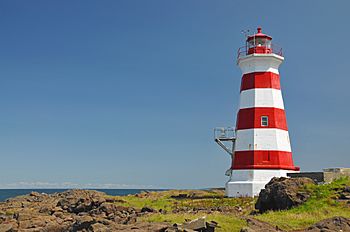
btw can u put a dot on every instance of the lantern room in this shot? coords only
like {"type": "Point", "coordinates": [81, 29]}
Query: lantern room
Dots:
{"type": "Point", "coordinates": [259, 43]}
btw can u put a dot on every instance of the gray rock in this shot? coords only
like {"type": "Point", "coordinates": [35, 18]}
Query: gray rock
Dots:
{"type": "Point", "coordinates": [196, 224]}
{"type": "Point", "coordinates": [99, 227]}
{"type": "Point", "coordinates": [283, 193]}
{"type": "Point", "coordinates": [148, 210]}
{"type": "Point", "coordinates": [82, 223]}
{"type": "Point", "coordinates": [7, 228]}
{"type": "Point", "coordinates": [331, 224]}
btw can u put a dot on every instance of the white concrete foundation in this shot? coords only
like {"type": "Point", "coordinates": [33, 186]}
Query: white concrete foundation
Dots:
{"type": "Point", "coordinates": [249, 182]}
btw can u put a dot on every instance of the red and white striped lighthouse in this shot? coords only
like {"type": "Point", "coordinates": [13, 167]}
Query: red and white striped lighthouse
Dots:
{"type": "Point", "coordinates": [262, 147]}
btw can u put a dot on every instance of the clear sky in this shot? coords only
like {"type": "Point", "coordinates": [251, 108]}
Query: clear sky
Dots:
{"type": "Point", "coordinates": [126, 93]}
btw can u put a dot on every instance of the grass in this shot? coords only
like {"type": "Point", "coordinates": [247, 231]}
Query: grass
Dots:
{"type": "Point", "coordinates": [163, 200]}
{"type": "Point", "coordinates": [203, 199]}
{"type": "Point", "coordinates": [321, 205]}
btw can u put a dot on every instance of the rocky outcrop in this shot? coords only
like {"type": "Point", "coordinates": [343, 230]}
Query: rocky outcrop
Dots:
{"type": "Point", "coordinates": [331, 224]}
{"type": "Point", "coordinates": [254, 225]}
{"type": "Point", "coordinates": [73, 210]}
{"type": "Point", "coordinates": [199, 224]}
{"type": "Point", "coordinates": [327, 225]}
{"type": "Point", "coordinates": [344, 194]}
{"type": "Point", "coordinates": [282, 193]}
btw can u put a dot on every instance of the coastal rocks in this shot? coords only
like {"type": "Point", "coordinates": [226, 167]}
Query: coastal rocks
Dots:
{"type": "Point", "coordinates": [99, 227]}
{"type": "Point", "coordinates": [331, 224]}
{"type": "Point", "coordinates": [148, 210]}
{"type": "Point", "coordinates": [141, 227]}
{"type": "Point", "coordinates": [254, 225]}
{"type": "Point", "coordinates": [282, 193]}
{"type": "Point", "coordinates": [344, 194]}
{"type": "Point", "coordinates": [76, 201]}
{"type": "Point", "coordinates": [83, 223]}
{"type": "Point", "coordinates": [8, 227]}
{"type": "Point", "coordinates": [73, 210]}
{"type": "Point", "coordinates": [198, 224]}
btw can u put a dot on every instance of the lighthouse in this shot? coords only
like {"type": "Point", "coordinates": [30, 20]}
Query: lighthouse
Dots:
{"type": "Point", "coordinates": [261, 146]}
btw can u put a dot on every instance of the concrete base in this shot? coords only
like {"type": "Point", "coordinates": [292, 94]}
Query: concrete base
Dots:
{"type": "Point", "coordinates": [249, 182]}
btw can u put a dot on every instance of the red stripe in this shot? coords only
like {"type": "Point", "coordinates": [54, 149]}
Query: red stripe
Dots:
{"type": "Point", "coordinates": [260, 80]}
{"type": "Point", "coordinates": [251, 118]}
{"type": "Point", "coordinates": [263, 160]}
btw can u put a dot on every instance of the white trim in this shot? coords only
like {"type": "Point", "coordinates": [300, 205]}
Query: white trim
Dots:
{"type": "Point", "coordinates": [249, 182]}
{"type": "Point", "coordinates": [270, 139]}
{"type": "Point", "coordinates": [261, 97]}
{"type": "Point", "coordinates": [260, 63]}
{"type": "Point", "coordinates": [264, 120]}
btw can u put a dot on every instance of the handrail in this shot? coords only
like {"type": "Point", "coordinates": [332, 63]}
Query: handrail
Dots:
{"type": "Point", "coordinates": [223, 135]}
{"type": "Point", "coordinates": [273, 49]}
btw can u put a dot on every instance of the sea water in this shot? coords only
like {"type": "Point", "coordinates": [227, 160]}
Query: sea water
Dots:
{"type": "Point", "coordinates": [10, 193]}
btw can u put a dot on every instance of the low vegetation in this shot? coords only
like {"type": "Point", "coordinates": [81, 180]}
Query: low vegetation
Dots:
{"type": "Point", "coordinates": [322, 204]}
{"type": "Point", "coordinates": [176, 206]}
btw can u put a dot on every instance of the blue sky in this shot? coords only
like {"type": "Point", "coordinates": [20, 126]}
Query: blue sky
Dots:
{"type": "Point", "coordinates": [126, 93]}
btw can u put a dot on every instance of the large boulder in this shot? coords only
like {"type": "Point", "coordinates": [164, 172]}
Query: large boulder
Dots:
{"type": "Point", "coordinates": [283, 193]}
{"type": "Point", "coordinates": [254, 225]}
{"type": "Point", "coordinates": [331, 224]}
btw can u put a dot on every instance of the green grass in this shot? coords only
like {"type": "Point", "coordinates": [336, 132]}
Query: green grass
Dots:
{"type": "Point", "coordinates": [321, 205]}
{"type": "Point", "coordinates": [163, 200]}
{"type": "Point", "coordinates": [158, 203]}
{"type": "Point", "coordinates": [245, 203]}
{"type": "Point", "coordinates": [228, 222]}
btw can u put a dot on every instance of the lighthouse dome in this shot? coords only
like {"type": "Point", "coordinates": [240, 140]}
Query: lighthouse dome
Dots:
{"type": "Point", "coordinates": [259, 43]}
{"type": "Point", "coordinates": [259, 34]}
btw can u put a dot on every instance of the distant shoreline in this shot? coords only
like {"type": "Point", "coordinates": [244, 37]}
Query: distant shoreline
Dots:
{"type": "Point", "coordinates": [11, 193]}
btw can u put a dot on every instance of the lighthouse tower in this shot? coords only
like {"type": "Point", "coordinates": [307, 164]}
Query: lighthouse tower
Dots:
{"type": "Point", "coordinates": [262, 146]}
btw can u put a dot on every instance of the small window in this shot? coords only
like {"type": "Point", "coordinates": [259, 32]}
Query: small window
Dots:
{"type": "Point", "coordinates": [251, 43]}
{"type": "Point", "coordinates": [260, 42]}
{"type": "Point", "coordinates": [264, 120]}
{"type": "Point", "coordinates": [268, 43]}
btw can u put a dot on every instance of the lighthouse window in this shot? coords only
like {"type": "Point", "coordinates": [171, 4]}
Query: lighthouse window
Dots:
{"type": "Point", "coordinates": [257, 41]}
{"type": "Point", "coordinates": [264, 120]}
{"type": "Point", "coordinates": [260, 41]}
{"type": "Point", "coordinates": [268, 43]}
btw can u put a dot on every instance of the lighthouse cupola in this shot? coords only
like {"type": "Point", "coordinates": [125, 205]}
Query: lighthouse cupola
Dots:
{"type": "Point", "coordinates": [259, 43]}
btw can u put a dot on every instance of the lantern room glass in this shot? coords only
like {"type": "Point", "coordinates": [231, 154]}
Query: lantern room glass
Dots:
{"type": "Point", "coordinates": [259, 42]}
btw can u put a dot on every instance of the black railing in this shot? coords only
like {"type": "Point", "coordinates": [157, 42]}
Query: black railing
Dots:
{"type": "Point", "coordinates": [245, 50]}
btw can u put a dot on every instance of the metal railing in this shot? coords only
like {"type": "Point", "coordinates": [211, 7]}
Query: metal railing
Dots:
{"type": "Point", "coordinates": [224, 135]}
{"type": "Point", "coordinates": [245, 50]}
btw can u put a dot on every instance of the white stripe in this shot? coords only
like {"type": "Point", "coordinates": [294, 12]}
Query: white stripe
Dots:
{"type": "Point", "coordinates": [262, 139]}
{"type": "Point", "coordinates": [249, 182]}
{"type": "Point", "coordinates": [261, 97]}
{"type": "Point", "coordinates": [260, 63]}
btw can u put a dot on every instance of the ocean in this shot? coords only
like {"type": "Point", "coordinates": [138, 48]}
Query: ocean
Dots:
{"type": "Point", "coordinates": [10, 193]}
